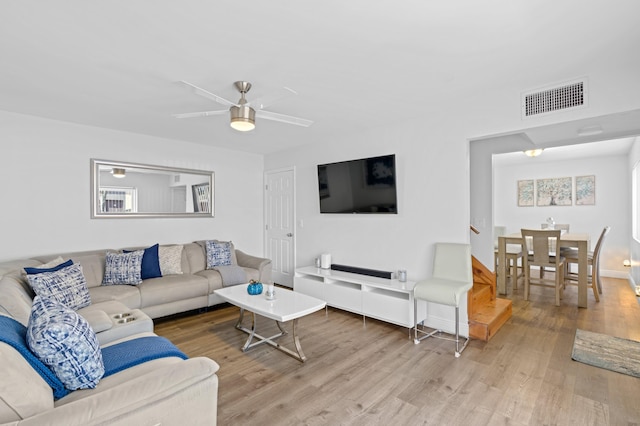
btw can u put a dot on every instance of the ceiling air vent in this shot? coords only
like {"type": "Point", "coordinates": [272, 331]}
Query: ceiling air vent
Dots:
{"type": "Point", "coordinates": [542, 101]}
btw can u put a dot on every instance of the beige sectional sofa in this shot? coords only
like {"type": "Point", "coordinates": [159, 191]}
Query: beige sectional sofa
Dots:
{"type": "Point", "coordinates": [165, 391]}
{"type": "Point", "coordinates": [194, 288]}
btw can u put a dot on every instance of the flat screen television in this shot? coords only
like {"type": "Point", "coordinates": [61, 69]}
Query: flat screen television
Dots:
{"type": "Point", "coordinates": [366, 185]}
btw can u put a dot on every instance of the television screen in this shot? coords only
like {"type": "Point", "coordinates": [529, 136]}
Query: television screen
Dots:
{"type": "Point", "coordinates": [367, 185]}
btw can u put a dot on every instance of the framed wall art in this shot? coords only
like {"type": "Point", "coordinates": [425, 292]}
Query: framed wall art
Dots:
{"type": "Point", "coordinates": [554, 192]}
{"type": "Point", "coordinates": [585, 190]}
{"type": "Point", "coordinates": [525, 193]}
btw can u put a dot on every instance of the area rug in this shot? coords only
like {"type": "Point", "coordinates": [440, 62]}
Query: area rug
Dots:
{"type": "Point", "coordinates": [609, 352]}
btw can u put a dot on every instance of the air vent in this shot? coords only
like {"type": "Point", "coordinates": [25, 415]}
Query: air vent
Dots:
{"type": "Point", "coordinates": [567, 96]}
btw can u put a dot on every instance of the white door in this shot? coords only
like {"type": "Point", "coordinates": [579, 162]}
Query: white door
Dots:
{"type": "Point", "coordinates": [280, 224]}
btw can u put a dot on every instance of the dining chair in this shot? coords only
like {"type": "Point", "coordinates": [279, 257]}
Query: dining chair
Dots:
{"type": "Point", "coordinates": [538, 252]}
{"type": "Point", "coordinates": [512, 256]}
{"type": "Point", "coordinates": [561, 226]}
{"type": "Point", "coordinates": [449, 283]}
{"type": "Point", "coordinates": [593, 260]}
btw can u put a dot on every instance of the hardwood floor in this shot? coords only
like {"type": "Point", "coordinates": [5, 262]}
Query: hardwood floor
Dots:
{"type": "Point", "coordinates": [366, 374]}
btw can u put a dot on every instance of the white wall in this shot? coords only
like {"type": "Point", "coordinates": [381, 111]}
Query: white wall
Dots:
{"type": "Point", "coordinates": [45, 196]}
{"type": "Point", "coordinates": [634, 245]}
{"type": "Point", "coordinates": [613, 206]}
{"type": "Point", "coordinates": [439, 192]}
{"type": "Point", "coordinates": [432, 181]}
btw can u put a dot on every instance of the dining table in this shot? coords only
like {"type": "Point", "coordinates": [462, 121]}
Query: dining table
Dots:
{"type": "Point", "coordinates": [579, 241]}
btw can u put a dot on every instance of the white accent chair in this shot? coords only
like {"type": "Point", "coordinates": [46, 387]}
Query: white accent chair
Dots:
{"type": "Point", "coordinates": [452, 278]}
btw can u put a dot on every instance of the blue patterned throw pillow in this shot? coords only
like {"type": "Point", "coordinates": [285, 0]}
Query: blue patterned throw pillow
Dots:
{"type": "Point", "coordinates": [46, 268]}
{"type": "Point", "coordinates": [66, 285]}
{"type": "Point", "coordinates": [150, 263]}
{"type": "Point", "coordinates": [64, 341]}
{"type": "Point", "coordinates": [123, 268]}
{"type": "Point", "coordinates": [218, 253]}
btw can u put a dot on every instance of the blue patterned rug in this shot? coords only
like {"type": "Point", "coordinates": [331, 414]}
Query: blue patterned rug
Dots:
{"type": "Point", "coordinates": [611, 353]}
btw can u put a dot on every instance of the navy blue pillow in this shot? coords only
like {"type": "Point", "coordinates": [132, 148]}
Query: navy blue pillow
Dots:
{"type": "Point", "coordinates": [32, 271]}
{"type": "Point", "coordinates": [150, 263]}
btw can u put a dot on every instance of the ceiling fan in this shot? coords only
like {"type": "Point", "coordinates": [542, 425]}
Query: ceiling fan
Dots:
{"type": "Point", "coordinates": [243, 113]}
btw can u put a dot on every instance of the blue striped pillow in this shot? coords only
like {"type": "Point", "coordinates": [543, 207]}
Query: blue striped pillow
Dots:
{"type": "Point", "coordinates": [66, 285]}
{"type": "Point", "coordinates": [218, 253]}
{"type": "Point", "coordinates": [123, 268]}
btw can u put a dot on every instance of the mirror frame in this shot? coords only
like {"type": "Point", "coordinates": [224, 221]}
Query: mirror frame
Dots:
{"type": "Point", "coordinates": [95, 190]}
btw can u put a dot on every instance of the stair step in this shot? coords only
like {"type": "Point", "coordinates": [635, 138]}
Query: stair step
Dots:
{"type": "Point", "coordinates": [487, 320]}
{"type": "Point", "coordinates": [481, 295]}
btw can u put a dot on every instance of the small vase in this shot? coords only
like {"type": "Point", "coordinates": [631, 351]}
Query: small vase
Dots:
{"type": "Point", "coordinates": [254, 288]}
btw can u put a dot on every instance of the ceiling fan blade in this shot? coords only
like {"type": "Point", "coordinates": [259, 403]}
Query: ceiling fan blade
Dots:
{"type": "Point", "coordinates": [199, 91]}
{"type": "Point", "coordinates": [268, 115]}
{"type": "Point", "coordinates": [268, 100]}
{"type": "Point", "coordinates": [201, 114]}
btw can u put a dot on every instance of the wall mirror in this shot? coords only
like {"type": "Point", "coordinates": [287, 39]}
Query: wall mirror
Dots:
{"type": "Point", "coordinates": [121, 189]}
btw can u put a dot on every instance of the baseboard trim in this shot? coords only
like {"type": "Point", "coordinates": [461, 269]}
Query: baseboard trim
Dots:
{"type": "Point", "coordinates": [615, 274]}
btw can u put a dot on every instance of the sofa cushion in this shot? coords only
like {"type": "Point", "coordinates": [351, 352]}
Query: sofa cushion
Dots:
{"type": "Point", "coordinates": [64, 341]}
{"type": "Point", "coordinates": [172, 288]}
{"type": "Point", "coordinates": [14, 334]}
{"type": "Point", "coordinates": [16, 296]}
{"type": "Point", "coordinates": [218, 253]}
{"type": "Point", "coordinates": [150, 263]}
{"type": "Point", "coordinates": [123, 268]}
{"type": "Point", "coordinates": [92, 267]}
{"type": "Point", "coordinates": [215, 279]}
{"type": "Point", "coordinates": [196, 257]}
{"type": "Point", "coordinates": [23, 393]}
{"type": "Point", "coordinates": [67, 286]}
{"type": "Point", "coordinates": [97, 319]}
{"type": "Point", "coordinates": [170, 258]}
{"type": "Point", "coordinates": [128, 295]}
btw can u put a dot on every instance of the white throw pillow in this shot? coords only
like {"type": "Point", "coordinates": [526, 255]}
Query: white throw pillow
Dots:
{"type": "Point", "coordinates": [170, 259]}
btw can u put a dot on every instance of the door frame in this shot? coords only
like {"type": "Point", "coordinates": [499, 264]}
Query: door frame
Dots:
{"type": "Point", "coordinates": [265, 209]}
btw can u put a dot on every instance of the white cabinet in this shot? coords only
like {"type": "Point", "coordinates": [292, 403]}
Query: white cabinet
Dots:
{"type": "Point", "coordinates": [379, 298]}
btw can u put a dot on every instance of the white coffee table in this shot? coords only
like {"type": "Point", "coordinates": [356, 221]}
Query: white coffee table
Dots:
{"type": "Point", "coordinates": [288, 305]}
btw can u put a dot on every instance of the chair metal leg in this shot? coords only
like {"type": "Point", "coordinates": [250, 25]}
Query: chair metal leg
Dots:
{"type": "Point", "coordinates": [458, 349]}
{"type": "Point", "coordinates": [417, 339]}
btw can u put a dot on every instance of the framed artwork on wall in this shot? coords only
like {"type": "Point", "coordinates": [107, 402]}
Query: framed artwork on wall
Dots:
{"type": "Point", "coordinates": [525, 193]}
{"type": "Point", "coordinates": [585, 190]}
{"type": "Point", "coordinates": [554, 192]}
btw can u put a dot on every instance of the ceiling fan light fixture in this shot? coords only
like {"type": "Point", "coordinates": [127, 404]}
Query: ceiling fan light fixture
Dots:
{"type": "Point", "coordinates": [243, 118]}
{"type": "Point", "coordinates": [533, 152]}
{"type": "Point", "coordinates": [118, 173]}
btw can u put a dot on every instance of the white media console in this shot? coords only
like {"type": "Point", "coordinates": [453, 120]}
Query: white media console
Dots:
{"type": "Point", "coordinates": [384, 299]}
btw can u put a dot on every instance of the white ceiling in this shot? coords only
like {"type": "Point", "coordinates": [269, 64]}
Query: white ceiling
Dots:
{"type": "Point", "coordinates": [355, 64]}
{"type": "Point", "coordinates": [607, 148]}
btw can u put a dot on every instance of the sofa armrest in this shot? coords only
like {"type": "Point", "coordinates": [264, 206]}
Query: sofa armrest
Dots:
{"type": "Point", "coordinates": [168, 396]}
{"type": "Point", "coordinates": [263, 265]}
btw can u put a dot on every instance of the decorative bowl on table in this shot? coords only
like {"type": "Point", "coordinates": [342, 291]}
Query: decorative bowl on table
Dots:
{"type": "Point", "coordinates": [254, 288]}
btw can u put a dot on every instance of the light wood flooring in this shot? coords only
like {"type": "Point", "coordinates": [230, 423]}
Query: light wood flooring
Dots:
{"type": "Point", "coordinates": [373, 374]}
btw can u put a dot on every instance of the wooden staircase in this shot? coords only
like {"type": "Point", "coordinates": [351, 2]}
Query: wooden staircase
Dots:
{"type": "Point", "coordinates": [487, 313]}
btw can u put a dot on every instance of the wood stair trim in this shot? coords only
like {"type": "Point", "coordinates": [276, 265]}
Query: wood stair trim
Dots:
{"type": "Point", "coordinates": [486, 312]}
{"type": "Point", "coordinates": [482, 275]}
